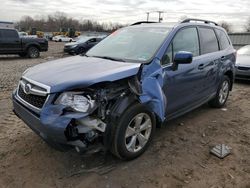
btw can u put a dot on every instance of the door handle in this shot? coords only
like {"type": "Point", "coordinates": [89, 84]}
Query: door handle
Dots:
{"type": "Point", "coordinates": [201, 66]}
{"type": "Point", "coordinates": [223, 58]}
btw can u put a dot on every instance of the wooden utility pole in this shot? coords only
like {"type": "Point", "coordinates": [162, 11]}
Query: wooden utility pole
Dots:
{"type": "Point", "coordinates": [147, 16]}
{"type": "Point", "coordinates": [160, 18]}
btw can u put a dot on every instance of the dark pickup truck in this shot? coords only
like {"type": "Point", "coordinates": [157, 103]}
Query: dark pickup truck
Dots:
{"type": "Point", "coordinates": [11, 43]}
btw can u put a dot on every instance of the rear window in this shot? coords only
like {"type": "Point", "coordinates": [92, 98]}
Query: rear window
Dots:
{"type": "Point", "coordinates": [6, 33]}
{"type": "Point", "coordinates": [209, 41]}
{"type": "Point", "coordinates": [223, 40]}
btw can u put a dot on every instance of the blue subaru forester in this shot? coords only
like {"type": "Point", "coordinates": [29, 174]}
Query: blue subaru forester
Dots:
{"type": "Point", "coordinates": [117, 93]}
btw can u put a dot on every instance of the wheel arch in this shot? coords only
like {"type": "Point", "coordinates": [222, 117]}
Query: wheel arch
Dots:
{"type": "Point", "coordinates": [230, 75]}
{"type": "Point", "coordinates": [117, 110]}
{"type": "Point", "coordinates": [32, 45]}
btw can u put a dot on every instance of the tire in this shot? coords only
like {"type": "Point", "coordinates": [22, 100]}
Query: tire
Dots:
{"type": "Point", "coordinates": [81, 50]}
{"type": "Point", "coordinates": [222, 93]}
{"type": "Point", "coordinates": [70, 40]}
{"type": "Point", "coordinates": [33, 52]}
{"type": "Point", "coordinates": [22, 54]}
{"type": "Point", "coordinates": [129, 140]}
{"type": "Point", "coordinates": [60, 40]}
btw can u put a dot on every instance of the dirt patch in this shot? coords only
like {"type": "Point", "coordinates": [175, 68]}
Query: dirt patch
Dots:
{"type": "Point", "coordinates": [178, 157]}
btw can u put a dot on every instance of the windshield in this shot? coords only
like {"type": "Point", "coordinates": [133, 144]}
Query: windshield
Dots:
{"type": "Point", "coordinates": [245, 50]}
{"type": "Point", "coordinates": [137, 44]}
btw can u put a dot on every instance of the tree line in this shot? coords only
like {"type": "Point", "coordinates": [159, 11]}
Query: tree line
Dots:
{"type": "Point", "coordinates": [61, 22]}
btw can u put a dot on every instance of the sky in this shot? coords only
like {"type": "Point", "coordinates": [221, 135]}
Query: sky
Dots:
{"type": "Point", "coordinates": [236, 12]}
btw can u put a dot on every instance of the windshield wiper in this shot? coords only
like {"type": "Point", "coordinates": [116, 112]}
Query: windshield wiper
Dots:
{"type": "Point", "coordinates": [110, 58]}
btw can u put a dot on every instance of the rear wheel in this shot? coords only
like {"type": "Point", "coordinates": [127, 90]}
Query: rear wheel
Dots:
{"type": "Point", "coordinates": [33, 52]}
{"type": "Point", "coordinates": [133, 133]}
{"type": "Point", "coordinates": [222, 93]}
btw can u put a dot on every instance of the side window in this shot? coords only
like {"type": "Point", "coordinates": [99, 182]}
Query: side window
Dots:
{"type": "Point", "coordinates": [223, 40]}
{"type": "Point", "coordinates": [6, 33]}
{"type": "Point", "coordinates": [209, 41]}
{"type": "Point", "coordinates": [185, 40]}
{"type": "Point", "coordinates": [168, 56]}
{"type": "Point", "coordinates": [92, 40]}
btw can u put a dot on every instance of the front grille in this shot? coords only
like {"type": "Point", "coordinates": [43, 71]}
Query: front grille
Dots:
{"type": "Point", "coordinates": [34, 100]}
{"type": "Point", "coordinates": [244, 68]}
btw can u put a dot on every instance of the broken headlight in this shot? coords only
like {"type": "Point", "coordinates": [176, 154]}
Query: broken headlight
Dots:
{"type": "Point", "coordinates": [77, 101]}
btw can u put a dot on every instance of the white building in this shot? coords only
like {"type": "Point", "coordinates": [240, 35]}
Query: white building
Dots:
{"type": "Point", "coordinates": [6, 24]}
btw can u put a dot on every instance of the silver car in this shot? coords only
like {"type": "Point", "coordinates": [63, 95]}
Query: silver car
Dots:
{"type": "Point", "coordinates": [243, 63]}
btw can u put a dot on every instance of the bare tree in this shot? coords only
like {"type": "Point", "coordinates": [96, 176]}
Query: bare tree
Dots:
{"type": "Point", "coordinates": [226, 26]}
{"type": "Point", "coordinates": [248, 25]}
{"type": "Point", "coordinates": [62, 22]}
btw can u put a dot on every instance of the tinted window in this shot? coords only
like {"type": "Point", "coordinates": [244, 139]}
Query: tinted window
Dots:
{"type": "Point", "coordinates": [223, 40]}
{"type": "Point", "coordinates": [9, 33]}
{"type": "Point", "coordinates": [209, 41]}
{"type": "Point", "coordinates": [185, 40]}
{"type": "Point", "coordinates": [92, 40]}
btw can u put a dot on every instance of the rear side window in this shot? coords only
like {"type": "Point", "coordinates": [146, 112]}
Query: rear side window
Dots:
{"type": "Point", "coordinates": [6, 33]}
{"type": "Point", "coordinates": [209, 41]}
{"type": "Point", "coordinates": [223, 40]}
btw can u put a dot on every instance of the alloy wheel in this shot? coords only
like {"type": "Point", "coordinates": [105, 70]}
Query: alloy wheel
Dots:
{"type": "Point", "coordinates": [223, 94]}
{"type": "Point", "coordinates": [138, 132]}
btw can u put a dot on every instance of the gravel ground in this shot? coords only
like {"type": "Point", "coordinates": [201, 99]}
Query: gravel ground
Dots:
{"type": "Point", "coordinates": [178, 157]}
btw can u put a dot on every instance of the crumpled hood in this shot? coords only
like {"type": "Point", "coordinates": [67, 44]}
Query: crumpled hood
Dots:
{"type": "Point", "coordinates": [243, 60]}
{"type": "Point", "coordinates": [79, 72]}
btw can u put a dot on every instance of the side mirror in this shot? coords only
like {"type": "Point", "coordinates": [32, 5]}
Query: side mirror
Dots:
{"type": "Point", "coordinates": [182, 57]}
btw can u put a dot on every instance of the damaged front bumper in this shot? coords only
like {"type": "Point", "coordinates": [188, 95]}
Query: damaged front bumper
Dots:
{"type": "Point", "coordinates": [62, 130]}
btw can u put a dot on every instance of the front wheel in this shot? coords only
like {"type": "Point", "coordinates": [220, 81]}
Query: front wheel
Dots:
{"type": "Point", "coordinates": [222, 93]}
{"type": "Point", "coordinates": [81, 50]}
{"type": "Point", "coordinates": [134, 132]}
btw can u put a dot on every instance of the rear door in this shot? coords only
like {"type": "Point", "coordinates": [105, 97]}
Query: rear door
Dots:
{"type": "Point", "coordinates": [183, 86]}
{"type": "Point", "coordinates": [210, 59]}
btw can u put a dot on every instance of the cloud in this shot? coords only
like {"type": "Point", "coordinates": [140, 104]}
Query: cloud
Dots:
{"type": "Point", "coordinates": [128, 11]}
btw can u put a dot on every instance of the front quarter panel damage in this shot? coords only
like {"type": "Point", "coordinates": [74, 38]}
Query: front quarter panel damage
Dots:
{"type": "Point", "coordinates": [80, 129]}
{"type": "Point", "coordinates": [151, 84]}
{"type": "Point", "coordinates": [56, 120]}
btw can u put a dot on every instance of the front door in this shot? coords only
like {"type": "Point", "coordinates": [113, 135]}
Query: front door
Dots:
{"type": "Point", "coordinates": [182, 87]}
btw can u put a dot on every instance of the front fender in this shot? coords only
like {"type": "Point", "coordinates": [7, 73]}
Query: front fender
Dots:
{"type": "Point", "coordinates": [152, 93]}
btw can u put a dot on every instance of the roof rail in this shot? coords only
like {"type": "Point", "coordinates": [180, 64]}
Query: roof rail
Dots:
{"type": "Point", "coordinates": [142, 22]}
{"type": "Point", "coordinates": [199, 20]}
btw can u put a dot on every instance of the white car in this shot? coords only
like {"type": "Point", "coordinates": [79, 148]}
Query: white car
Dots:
{"type": "Point", "coordinates": [62, 38]}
